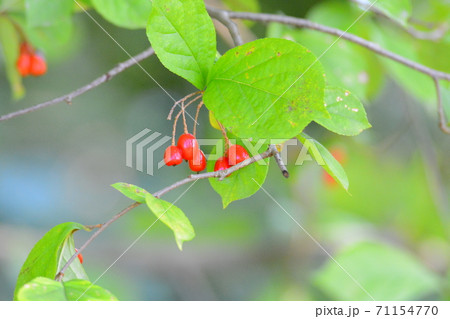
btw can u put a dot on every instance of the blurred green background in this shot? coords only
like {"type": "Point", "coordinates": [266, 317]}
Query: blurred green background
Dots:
{"type": "Point", "coordinates": [390, 234]}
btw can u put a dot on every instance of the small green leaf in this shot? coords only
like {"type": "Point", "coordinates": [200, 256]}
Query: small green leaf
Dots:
{"type": "Point", "coordinates": [131, 14]}
{"type": "Point", "coordinates": [323, 157]}
{"type": "Point", "coordinates": [240, 184]}
{"type": "Point", "coordinates": [75, 269]}
{"type": "Point", "coordinates": [131, 191]}
{"type": "Point", "coordinates": [9, 41]}
{"type": "Point", "coordinates": [184, 39]}
{"type": "Point", "coordinates": [348, 116]}
{"type": "Point", "coordinates": [44, 289]}
{"type": "Point", "coordinates": [402, 276]}
{"type": "Point", "coordinates": [268, 88]}
{"type": "Point", "coordinates": [173, 217]}
{"type": "Point", "coordinates": [44, 258]}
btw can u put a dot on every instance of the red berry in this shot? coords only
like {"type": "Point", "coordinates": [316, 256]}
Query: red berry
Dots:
{"type": "Point", "coordinates": [187, 143]}
{"type": "Point", "coordinates": [38, 65]}
{"type": "Point", "coordinates": [173, 156]}
{"type": "Point", "coordinates": [221, 164]}
{"type": "Point", "coordinates": [23, 63]}
{"type": "Point", "coordinates": [80, 256]}
{"type": "Point", "coordinates": [198, 162]}
{"type": "Point", "coordinates": [236, 154]}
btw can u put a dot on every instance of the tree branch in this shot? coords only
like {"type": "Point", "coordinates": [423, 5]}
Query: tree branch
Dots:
{"type": "Point", "coordinates": [224, 18]}
{"type": "Point", "coordinates": [302, 23]}
{"type": "Point", "coordinates": [218, 174]}
{"type": "Point", "coordinates": [441, 113]}
{"type": "Point", "coordinates": [433, 35]}
{"type": "Point", "coordinates": [70, 96]}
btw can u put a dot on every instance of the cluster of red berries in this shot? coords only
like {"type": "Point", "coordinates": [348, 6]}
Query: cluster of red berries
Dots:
{"type": "Point", "coordinates": [30, 62]}
{"type": "Point", "coordinates": [234, 155]}
{"type": "Point", "coordinates": [188, 149]}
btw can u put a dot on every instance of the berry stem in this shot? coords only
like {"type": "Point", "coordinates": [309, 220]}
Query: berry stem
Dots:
{"type": "Point", "coordinates": [224, 133]}
{"type": "Point", "coordinates": [199, 106]}
{"type": "Point", "coordinates": [183, 107]}
{"type": "Point", "coordinates": [169, 117]}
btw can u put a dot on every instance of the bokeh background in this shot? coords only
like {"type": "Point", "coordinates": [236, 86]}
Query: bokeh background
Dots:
{"type": "Point", "coordinates": [390, 232]}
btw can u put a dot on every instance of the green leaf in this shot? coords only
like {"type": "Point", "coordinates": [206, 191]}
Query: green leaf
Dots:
{"type": "Point", "coordinates": [324, 158]}
{"type": "Point", "coordinates": [75, 269]}
{"type": "Point", "coordinates": [48, 22]}
{"type": "Point", "coordinates": [44, 258]}
{"type": "Point", "coordinates": [44, 289]}
{"type": "Point", "coordinates": [184, 39]}
{"type": "Point", "coordinates": [268, 88]}
{"type": "Point", "coordinates": [346, 64]}
{"type": "Point", "coordinates": [131, 14]}
{"type": "Point", "coordinates": [398, 10]}
{"type": "Point", "coordinates": [41, 13]}
{"type": "Point", "coordinates": [9, 40]}
{"type": "Point", "coordinates": [173, 217]}
{"type": "Point", "coordinates": [131, 191]}
{"type": "Point", "coordinates": [387, 273]}
{"type": "Point", "coordinates": [242, 183]}
{"type": "Point", "coordinates": [348, 116]}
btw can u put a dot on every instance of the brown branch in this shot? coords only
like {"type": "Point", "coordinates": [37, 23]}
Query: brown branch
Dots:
{"type": "Point", "coordinates": [433, 35]}
{"type": "Point", "coordinates": [219, 174]}
{"type": "Point", "coordinates": [70, 96]}
{"type": "Point", "coordinates": [302, 23]}
{"type": "Point", "coordinates": [443, 123]}
{"type": "Point", "coordinates": [223, 17]}
{"type": "Point", "coordinates": [279, 160]}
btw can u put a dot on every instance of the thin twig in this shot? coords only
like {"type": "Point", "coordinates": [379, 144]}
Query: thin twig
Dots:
{"type": "Point", "coordinates": [441, 113]}
{"type": "Point", "coordinates": [279, 160]}
{"type": "Point", "coordinates": [60, 274]}
{"type": "Point", "coordinates": [302, 23]}
{"type": "Point", "coordinates": [219, 174]}
{"type": "Point", "coordinates": [433, 35]}
{"type": "Point", "coordinates": [70, 96]}
{"type": "Point", "coordinates": [199, 106]}
{"type": "Point", "coordinates": [224, 18]}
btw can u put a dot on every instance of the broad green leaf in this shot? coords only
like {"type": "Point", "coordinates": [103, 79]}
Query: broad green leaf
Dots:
{"type": "Point", "coordinates": [131, 191]}
{"type": "Point", "coordinates": [242, 183]}
{"type": "Point", "coordinates": [48, 22]}
{"type": "Point", "coordinates": [398, 10]}
{"type": "Point", "coordinates": [184, 39]}
{"type": "Point", "coordinates": [131, 14]}
{"type": "Point", "coordinates": [173, 217]}
{"type": "Point", "coordinates": [9, 41]}
{"type": "Point", "coordinates": [268, 88]}
{"type": "Point", "coordinates": [348, 116]}
{"type": "Point", "coordinates": [346, 64]}
{"type": "Point", "coordinates": [44, 258]}
{"type": "Point", "coordinates": [44, 289]}
{"type": "Point", "coordinates": [324, 158]}
{"type": "Point", "coordinates": [385, 272]}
